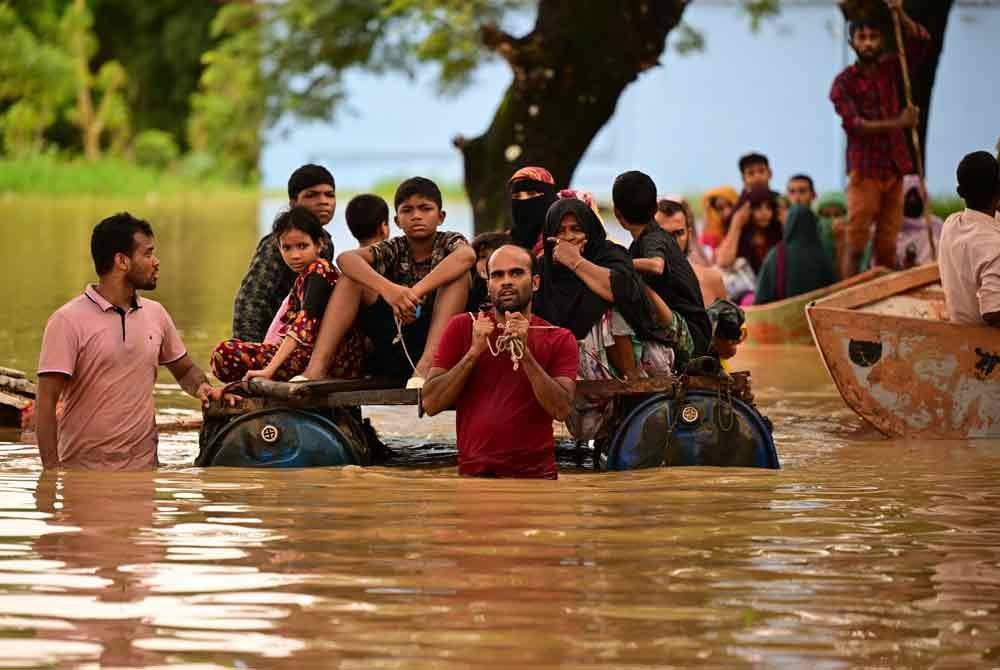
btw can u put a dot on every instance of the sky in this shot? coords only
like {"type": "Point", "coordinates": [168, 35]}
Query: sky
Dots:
{"type": "Point", "coordinates": [685, 123]}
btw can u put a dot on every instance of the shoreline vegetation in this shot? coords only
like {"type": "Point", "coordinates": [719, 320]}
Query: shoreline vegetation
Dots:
{"type": "Point", "coordinates": [53, 175]}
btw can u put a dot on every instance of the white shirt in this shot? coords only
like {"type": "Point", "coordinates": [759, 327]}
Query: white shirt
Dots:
{"type": "Point", "coordinates": [969, 259]}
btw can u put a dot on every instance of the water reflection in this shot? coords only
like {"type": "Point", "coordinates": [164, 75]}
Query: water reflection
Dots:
{"type": "Point", "coordinates": [859, 552]}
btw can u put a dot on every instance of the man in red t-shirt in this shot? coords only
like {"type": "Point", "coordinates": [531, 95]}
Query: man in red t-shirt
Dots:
{"type": "Point", "coordinates": [504, 415]}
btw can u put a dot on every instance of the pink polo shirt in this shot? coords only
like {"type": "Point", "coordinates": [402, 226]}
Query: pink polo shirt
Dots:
{"type": "Point", "coordinates": [111, 358]}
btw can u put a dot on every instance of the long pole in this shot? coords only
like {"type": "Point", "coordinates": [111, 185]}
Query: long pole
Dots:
{"type": "Point", "coordinates": [914, 133]}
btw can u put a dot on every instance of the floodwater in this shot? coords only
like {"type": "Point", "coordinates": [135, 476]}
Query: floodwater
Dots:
{"type": "Point", "coordinates": [859, 552]}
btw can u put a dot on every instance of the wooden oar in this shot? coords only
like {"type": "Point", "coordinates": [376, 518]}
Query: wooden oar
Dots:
{"type": "Point", "coordinates": [915, 135]}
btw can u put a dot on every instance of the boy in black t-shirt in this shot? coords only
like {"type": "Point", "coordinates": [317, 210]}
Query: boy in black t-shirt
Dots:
{"type": "Point", "coordinates": [662, 264]}
{"type": "Point", "coordinates": [402, 291]}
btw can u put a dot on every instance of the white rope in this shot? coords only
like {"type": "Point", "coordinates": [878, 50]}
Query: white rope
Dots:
{"type": "Point", "coordinates": [508, 341]}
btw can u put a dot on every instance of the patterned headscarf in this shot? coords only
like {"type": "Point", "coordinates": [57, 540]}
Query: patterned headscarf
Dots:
{"type": "Point", "coordinates": [534, 173]}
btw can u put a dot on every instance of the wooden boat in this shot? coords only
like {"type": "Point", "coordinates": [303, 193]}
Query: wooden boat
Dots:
{"type": "Point", "coordinates": [901, 365]}
{"type": "Point", "coordinates": [784, 321]}
{"type": "Point", "coordinates": [17, 394]}
{"type": "Point", "coordinates": [687, 420]}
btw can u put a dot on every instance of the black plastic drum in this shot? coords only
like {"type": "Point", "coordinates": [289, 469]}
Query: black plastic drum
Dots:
{"type": "Point", "coordinates": [283, 438]}
{"type": "Point", "coordinates": [700, 428]}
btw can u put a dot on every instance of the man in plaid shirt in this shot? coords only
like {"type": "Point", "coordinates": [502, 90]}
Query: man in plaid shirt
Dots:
{"type": "Point", "coordinates": [268, 279]}
{"type": "Point", "coordinates": [866, 96]}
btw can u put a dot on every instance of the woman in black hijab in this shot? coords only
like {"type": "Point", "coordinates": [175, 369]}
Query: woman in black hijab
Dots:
{"type": "Point", "coordinates": [532, 192]}
{"type": "Point", "coordinates": [590, 287]}
{"type": "Point", "coordinates": [584, 275]}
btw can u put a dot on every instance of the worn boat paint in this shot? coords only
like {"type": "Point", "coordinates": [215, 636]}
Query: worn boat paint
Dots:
{"type": "Point", "coordinates": [784, 321]}
{"type": "Point", "coordinates": [902, 366]}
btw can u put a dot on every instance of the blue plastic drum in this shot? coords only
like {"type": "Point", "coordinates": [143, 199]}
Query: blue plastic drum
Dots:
{"type": "Point", "coordinates": [283, 438]}
{"type": "Point", "coordinates": [707, 430]}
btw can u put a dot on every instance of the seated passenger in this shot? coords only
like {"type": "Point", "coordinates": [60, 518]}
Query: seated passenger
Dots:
{"type": "Point", "coordinates": [269, 279]}
{"type": "Point", "coordinates": [970, 245]}
{"type": "Point", "coordinates": [489, 393]}
{"type": "Point", "coordinates": [913, 246]}
{"type": "Point", "coordinates": [402, 291]}
{"type": "Point", "coordinates": [717, 206]}
{"type": "Point", "coordinates": [832, 212]}
{"type": "Point", "coordinates": [753, 231]}
{"type": "Point", "coordinates": [532, 191]}
{"type": "Point", "coordinates": [662, 264]}
{"type": "Point", "coordinates": [299, 237]}
{"type": "Point", "coordinates": [796, 265]}
{"type": "Point", "coordinates": [677, 222]}
{"type": "Point", "coordinates": [367, 217]}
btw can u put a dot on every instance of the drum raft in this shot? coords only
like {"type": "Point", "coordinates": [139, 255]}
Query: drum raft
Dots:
{"type": "Point", "coordinates": [690, 420]}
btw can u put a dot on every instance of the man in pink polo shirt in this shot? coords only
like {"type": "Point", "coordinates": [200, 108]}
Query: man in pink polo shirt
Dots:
{"type": "Point", "coordinates": [100, 353]}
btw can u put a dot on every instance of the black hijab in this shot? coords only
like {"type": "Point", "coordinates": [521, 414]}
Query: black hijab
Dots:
{"type": "Point", "coordinates": [528, 216]}
{"type": "Point", "coordinates": [564, 300]}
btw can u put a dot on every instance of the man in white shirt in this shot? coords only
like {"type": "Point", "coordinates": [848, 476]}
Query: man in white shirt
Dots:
{"type": "Point", "coordinates": [969, 255]}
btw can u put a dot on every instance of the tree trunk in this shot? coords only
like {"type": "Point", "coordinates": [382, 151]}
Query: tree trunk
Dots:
{"type": "Point", "coordinates": [569, 72]}
{"type": "Point", "coordinates": [933, 15]}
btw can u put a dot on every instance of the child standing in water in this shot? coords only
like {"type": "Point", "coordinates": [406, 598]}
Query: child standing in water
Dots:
{"type": "Point", "coordinates": [299, 237]}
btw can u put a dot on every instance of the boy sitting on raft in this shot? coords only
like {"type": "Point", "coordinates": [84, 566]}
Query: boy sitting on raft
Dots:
{"type": "Point", "coordinates": [402, 291]}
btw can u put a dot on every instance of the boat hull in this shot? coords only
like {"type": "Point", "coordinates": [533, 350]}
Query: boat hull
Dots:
{"type": "Point", "coordinates": [784, 321]}
{"type": "Point", "coordinates": [902, 368]}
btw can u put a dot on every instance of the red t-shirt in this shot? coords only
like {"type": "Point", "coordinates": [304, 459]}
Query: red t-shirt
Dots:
{"type": "Point", "coordinates": [502, 428]}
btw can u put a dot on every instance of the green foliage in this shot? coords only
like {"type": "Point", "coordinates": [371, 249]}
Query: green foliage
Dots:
{"type": "Point", "coordinates": [311, 44]}
{"type": "Point", "coordinates": [155, 149]}
{"type": "Point", "coordinates": [54, 175]}
{"type": "Point", "coordinates": [35, 79]}
{"type": "Point", "coordinates": [227, 111]}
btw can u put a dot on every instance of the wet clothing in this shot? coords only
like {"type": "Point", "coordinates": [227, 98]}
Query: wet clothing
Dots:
{"type": "Point", "coordinates": [858, 96]}
{"type": "Point", "coordinates": [111, 357]}
{"type": "Point", "coordinates": [300, 320]}
{"type": "Point", "coordinates": [268, 280]}
{"type": "Point", "coordinates": [798, 264]}
{"type": "Point", "coordinates": [677, 286]}
{"type": "Point", "coordinates": [564, 300]}
{"type": "Point", "coordinates": [969, 259]}
{"type": "Point", "coordinates": [496, 398]}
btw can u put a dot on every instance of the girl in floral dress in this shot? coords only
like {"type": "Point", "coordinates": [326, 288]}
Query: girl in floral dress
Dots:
{"type": "Point", "coordinates": [298, 234]}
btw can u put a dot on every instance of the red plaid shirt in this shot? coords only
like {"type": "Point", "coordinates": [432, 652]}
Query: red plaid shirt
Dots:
{"type": "Point", "coordinates": [874, 96]}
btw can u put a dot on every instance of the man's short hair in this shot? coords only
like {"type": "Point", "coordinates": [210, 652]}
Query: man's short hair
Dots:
{"type": "Point", "coordinates": [751, 159]}
{"type": "Point", "coordinates": [365, 214]}
{"type": "Point", "coordinates": [306, 176]}
{"type": "Point", "coordinates": [634, 195]}
{"type": "Point", "coordinates": [863, 22]}
{"type": "Point", "coordinates": [535, 267]}
{"type": "Point", "coordinates": [421, 186]}
{"type": "Point", "coordinates": [978, 179]}
{"type": "Point", "coordinates": [672, 207]}
{"type": "Point", "coordinates": [806, 178]}
{"type": "Point", "coordinates": [115, 235]}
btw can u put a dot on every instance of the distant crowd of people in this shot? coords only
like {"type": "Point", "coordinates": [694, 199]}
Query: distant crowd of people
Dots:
{"type": "Point", "coordinates": [501, 329]}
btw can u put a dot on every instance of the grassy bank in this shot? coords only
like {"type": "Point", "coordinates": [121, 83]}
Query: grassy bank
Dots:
{"type": "Point", "coordinates": [52, 175]}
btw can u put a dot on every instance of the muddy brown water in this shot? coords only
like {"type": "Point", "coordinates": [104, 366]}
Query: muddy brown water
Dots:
{"type": "Point", "coordinates": [861, 551]}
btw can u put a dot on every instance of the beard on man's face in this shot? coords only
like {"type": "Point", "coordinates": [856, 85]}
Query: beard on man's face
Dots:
{"type": "Point", "coordinates": [511, 301]}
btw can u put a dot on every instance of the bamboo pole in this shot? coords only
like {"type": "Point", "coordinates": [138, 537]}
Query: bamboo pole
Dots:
{"type": "Point", "coordinates": [914, 133]}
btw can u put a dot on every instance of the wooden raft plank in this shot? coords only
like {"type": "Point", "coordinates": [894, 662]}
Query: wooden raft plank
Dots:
{"type": "Point", "coordinates": [335, 393]}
